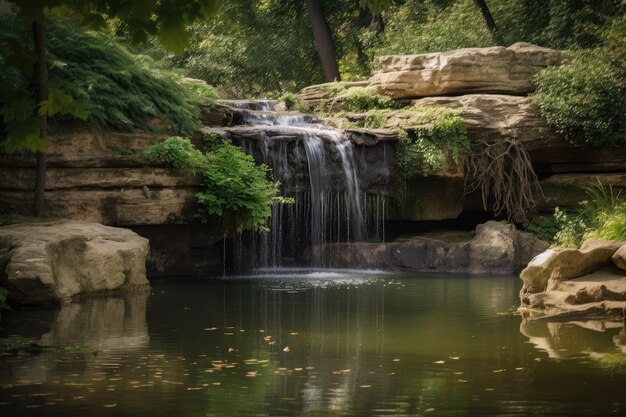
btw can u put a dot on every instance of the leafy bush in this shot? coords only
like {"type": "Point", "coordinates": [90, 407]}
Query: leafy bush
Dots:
{"type": "Point", "coordinates": [603, 217]}
{"type": "Point", "coordinates": [585, 98]}
{"type": "Point", "coordinates": [237, 190]}
{"type": "Point", "coordinates": [121, 90]}
{"type": "Point", "coordinates": [359, 99]}
{"type": "Point", "coordinates": [200, 93]}
{"type": "Point", "coordinates": [437, 133]}
{"type": "Point", "coordinates": [179, 152]}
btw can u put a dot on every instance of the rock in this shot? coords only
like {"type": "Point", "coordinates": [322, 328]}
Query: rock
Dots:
{"type": "Point", "coordinates": [318, 94]}
{"type": "Point", "coordinates": [619, 258]}
{"type": "Point", "coordinates": [565, 264]}
{"type": "Point", "coordinates": [472, 70]}
{"type": "Point", "coordinates": [569, 190]}
{"type": "Point", "coordinates": [490, 117]}
{"type": "Point", "coordinates": [116, 207]}
{"type": "Point", "coordinates": [495, 248]}
{"type": "Point", "coordinates": [601, 294]}
{"type": "Point", "coordinates": [54, 261]}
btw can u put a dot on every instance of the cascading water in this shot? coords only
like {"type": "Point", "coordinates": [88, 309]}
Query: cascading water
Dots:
{"type": "Point", "coordinates": [317, 167]}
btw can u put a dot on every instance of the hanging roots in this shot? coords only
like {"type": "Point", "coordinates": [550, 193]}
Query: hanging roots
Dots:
{"type": "Point", "coordinates": [505, 175]}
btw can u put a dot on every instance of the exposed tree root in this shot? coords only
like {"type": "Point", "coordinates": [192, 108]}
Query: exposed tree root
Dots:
{"type": "Point", "coordinates": [504, 173]}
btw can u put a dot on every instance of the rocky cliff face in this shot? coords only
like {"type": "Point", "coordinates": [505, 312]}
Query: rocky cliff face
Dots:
{"type": "Point", "coordinates": [491, 86]}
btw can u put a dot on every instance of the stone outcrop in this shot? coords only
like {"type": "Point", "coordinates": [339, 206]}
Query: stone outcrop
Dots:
{"type": "Point", "coordinates": [494, 248]}
{"type": "Point", "coordinates": [473, 70]}
{"type": "Point", "coordinates": [576, 283]}
{"type": "Point", "coordinates": [53, 261]}
{"type": "Point", "coordinates": [100, 177]}
{"type": "Point", "coordinates": [619, 258]}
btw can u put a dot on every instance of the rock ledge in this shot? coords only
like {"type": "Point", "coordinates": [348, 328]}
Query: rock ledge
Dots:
{"type": "Point", "coordinates": [53, 261]}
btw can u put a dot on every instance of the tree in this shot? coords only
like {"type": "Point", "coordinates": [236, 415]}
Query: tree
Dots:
{"type": "Point", "coordinates": [165, 19]}
{"type": "Point", "coordinates": [323, 40]}
{"type": "Point", "coordinates": [491, 24]}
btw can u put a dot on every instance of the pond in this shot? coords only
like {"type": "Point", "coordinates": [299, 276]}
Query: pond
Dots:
{"type": "Point", "coordinates": [325, 343]}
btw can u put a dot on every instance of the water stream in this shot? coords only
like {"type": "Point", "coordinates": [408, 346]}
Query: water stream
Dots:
{"type": "Point", "coordinates": [317, 167]}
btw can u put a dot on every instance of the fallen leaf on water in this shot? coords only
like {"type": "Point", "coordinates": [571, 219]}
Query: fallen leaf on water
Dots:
{"type": "Point", "coordinates": [230, 350]}
{"type": "Point", "coordinates": [286, 349]}
{"type": "Point", "coordinates": [429, 410]}
{"type": "Point", "coordinates": [454, 358]}
{"type": "Point", "coordinates": [519, 369]}
{"type": "Point", "coordinates": [497, 371]}
{"type": "Point", "coordinates": [395, 360]}
{"type": "Point", "coordinates": [439, 362]}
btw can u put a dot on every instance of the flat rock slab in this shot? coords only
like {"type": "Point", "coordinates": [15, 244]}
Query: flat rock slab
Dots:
{"type": "Point", "coordinates": [53, 261]}
{"type": "Point", "coordinates": [495, 248]}
{"type": "Point", "coordinates": [462, 71]}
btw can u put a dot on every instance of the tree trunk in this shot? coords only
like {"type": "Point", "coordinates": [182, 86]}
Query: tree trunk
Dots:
{"type": "Point", "coordinates": [491, 24]}
{"type": "Point", "coordinates": [323, 40]}
{"type": "Point", "coordinates": [41, 87]}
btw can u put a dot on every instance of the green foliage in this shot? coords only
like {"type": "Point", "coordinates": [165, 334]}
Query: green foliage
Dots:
{"type": "Point", "coordinates": [585, 99]}
{"type": "Point", "coordinates": [123, 91]}
{"type": "Point", "coordinates": [545, 227]}
{"type": "Point", "coordinates": [200, 93]}
{"type": "Point", "coordinates": [179, 152]}
{"type": "Point", "coordinates": [253, 47]}
{"type": "Point", "coordinates": [91, 76]}
{"type": "Point", "coordinates": [236, 190]}
{"type": "Point", "coordinates": [603, 217]}
{"type": "Point", "coordinates": [359, 99]}
{"type": "Point", "coordinates": [291, 100]}
{"type": "Point", "coordinates": [165, 19]}
{"type": "Point", "coordinates": [430, 138]}
{"type": "Point", "coordinates": [420, 26]}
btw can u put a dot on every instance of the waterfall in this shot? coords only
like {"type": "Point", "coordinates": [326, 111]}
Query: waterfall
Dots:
{"type": "Point", "coordinates": [317, 167]}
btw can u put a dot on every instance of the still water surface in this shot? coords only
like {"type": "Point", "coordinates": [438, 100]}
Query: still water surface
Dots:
{"type": "Point", "coordinates": [313, 344]}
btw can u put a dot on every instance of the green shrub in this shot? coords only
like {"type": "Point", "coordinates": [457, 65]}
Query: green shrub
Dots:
{"type": "Point", "coordinates": [200, 93]}
{"type": "Point", "coordinates": [603, 217]}
{"type": "Point", "coordinates": [358, 99]}
{"type": "Point", "coordinates": [121, 90]}
{"type": "Point", "coordinates": [179, 152]}
{"type": "Point", "coordinates": [437, 133]}
{"type": "Point", "coordinates": [585, 98]}
{"type": "Point", "coordinates": [236, 190]}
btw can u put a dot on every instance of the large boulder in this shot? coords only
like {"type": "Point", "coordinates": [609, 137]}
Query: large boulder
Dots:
{"type": "Point", "coordinates": [494, 248]}
{"type": "Point", "coordinates": [566, 264]}
{"type": "Point", "coordinates": [472, 70]}
{"type": "Point", "coordinates": [575, 283]}
{"type": "Point", "coordinates": [53, 261]}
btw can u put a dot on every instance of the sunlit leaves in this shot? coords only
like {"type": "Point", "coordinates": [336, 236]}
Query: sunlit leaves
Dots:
{"type": "Point", "coordinates": [60, 103]}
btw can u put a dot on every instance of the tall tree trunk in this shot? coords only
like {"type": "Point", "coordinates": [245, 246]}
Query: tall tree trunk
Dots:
{"type": "Point", "coordinates": [323, 40]}
{"type": "Point", "coordinates": [41, 87]}
{"type": "Point", "coordinates": [491, 24]}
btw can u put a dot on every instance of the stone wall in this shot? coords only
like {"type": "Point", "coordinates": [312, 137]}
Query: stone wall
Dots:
{"type": "Point", "coordinates": [101, 177]}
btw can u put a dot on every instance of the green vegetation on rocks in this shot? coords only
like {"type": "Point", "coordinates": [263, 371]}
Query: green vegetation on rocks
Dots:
{"type": "Point", "coordinates": [236, 191]}
{"type": "Point", "coordinates": [602, 216]}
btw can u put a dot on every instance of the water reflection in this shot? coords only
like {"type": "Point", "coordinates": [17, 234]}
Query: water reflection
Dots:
{"type": "Point", "coordinates": [357, 344]}
{"type": "Point", "coordinates": [594, 338]}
